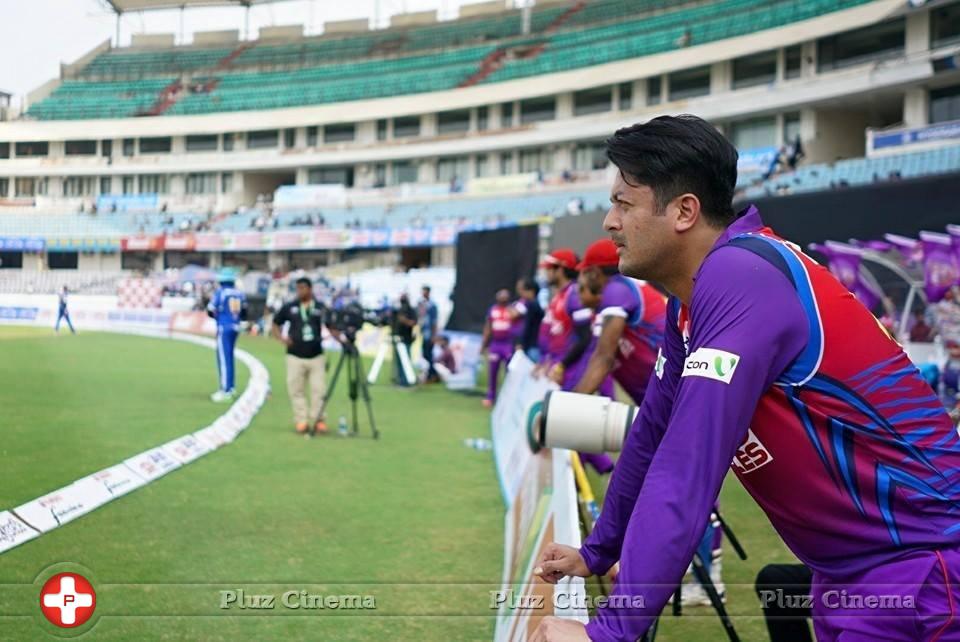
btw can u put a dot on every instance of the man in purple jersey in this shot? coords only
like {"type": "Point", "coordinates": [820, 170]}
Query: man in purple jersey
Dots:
{"type": "Point", "coordinates": [499, 337]}
{"type": "Point", "coordinates": [767, 362]}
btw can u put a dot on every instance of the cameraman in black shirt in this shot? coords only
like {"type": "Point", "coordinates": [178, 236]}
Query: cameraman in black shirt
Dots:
{"type": "Point", "coordinates": [305, 318]}
{"type": "Point", "coordinates": [404, 321]}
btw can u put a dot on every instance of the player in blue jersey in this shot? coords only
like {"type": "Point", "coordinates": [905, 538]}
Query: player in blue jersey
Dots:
{"type": "Point", "coordinates": [62, 313]}
{"type": "Point", "coordinates": [228, 307]}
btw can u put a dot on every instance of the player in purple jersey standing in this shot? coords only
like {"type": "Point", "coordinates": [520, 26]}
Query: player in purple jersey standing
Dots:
{"type": "Point", "coordinates": [499, 338]}
{"type": "Point", "coordinates": [767, 362]}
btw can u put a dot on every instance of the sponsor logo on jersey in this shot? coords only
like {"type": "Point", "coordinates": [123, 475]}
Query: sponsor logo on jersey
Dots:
{"type": "Point", "coordinates": [710, 363]}
{"type": "Point", "coordinates": [751, 455]}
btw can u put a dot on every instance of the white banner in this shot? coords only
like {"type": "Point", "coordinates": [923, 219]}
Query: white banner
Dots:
{"type": "Point", "coordinates": [117, 480]}
{"type": "Point", "coordinates": [544, 511]}
{"type": "Point", "coordinates": [520, 390]}
{"type": "Point", "coordinates": [94, 490]}
{"type": "Point", "coordinates": [541, 500]}
{"type": "Point", "coordinates": [152, 464]}
{"type": "Point", "coordinates": [53, 509]}
{"type": "Point", "coordinates": [185, 449]}
{"type": "Point", "coordinates": [13, 531]}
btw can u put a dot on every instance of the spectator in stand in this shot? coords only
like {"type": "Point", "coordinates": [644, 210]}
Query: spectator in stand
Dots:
{"type": "Point", "coordinates": [921, 332]}
{"type": "Point", "coordinates": [796, 153]}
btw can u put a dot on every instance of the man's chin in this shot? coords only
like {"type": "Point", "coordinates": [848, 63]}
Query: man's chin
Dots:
{"type": "Point", "coordinates": [627, 269]}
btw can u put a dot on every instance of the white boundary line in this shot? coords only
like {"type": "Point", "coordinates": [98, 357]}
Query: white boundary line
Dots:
{"type": "Point", "coordinates": [43, 514]}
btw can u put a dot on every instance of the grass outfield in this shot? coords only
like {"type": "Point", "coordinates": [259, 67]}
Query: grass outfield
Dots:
{"type": "Point", "coordinates": [414, 520]}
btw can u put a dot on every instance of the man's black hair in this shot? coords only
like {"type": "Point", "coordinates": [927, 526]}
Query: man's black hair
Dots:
{"type": "Point", "coordinates": [570, 273]}
{"type": "Point", "coordinates": [305, 281]}
{"type": "Point", "coordinates": [528, 283]}
{"type": "Point", "coordinates": [674, 155]}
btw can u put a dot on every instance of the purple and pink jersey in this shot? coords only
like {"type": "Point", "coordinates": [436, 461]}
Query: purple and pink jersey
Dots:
{"type": "Point", "coordinates": [557, 326]}
{"type": "Point", "coordinates": [644, 310]}
{"type": "Point", "coordinates": [775, 367]}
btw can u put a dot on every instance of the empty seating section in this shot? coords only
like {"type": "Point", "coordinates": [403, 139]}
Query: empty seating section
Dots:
{"type": "Point", "coordinates": [504, 209]}
{"type": "Point", "coordinates": [136, 64]}
{"type": "Point", "coordinates": [860, 171]}
{"type": "Point", "coordinates": [50, 281]}
{"type": "Point", "coordinates": [349, 81]}
{"type": "Point", "coordinates": [663, 32]}
{"type": "Point", "coordinates": [465, 210]}
{"type": "Point", "coordinates": [393, 62]}
{"type": "Point", "coordinates": [80, 100]}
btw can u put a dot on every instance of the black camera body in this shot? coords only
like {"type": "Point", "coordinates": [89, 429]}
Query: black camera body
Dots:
{"type": "Point", "coordinates": [350, 318]}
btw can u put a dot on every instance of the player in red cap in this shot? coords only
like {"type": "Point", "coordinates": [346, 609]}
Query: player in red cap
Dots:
{"type": "Point", "coordinates": [627, 325]}
{"type": "Point", "coordinates": [556, 330]}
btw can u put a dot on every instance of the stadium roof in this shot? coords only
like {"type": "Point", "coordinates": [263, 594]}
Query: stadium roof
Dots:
{"type": "Point", "coordinates": [123, 6]}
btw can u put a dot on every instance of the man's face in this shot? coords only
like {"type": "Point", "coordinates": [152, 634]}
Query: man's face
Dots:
{"type": "Point", "coordinates": [303, 291]}
{"type": "Point", "coordinates": [643, 235]}
{"type": "Point", "coordinates": [585, 289]}
{"type": "Point", "coordinates": [426, 293]}
{"type": "Point", "coordinates": [552, 273]}
{"type": "Point", "coordinates": [503, 297]}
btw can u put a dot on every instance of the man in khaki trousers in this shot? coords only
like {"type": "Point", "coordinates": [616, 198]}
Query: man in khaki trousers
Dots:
{"type": "Point", "coordinates": [304, 319]}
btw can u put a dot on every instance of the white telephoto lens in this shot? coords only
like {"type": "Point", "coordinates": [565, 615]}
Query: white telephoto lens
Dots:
{"type": "Point", "coordinates": [585, 423]}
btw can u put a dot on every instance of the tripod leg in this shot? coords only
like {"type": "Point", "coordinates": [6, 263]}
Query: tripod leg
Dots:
{"type": "Point", "coordinates": [651, 633]}
{"type": "Point", "coordinates": [353, 373]}
{"type": "Point", "coordinates": [333, 384]}
{"type": "Point", "coordinates": [700, 572]}
{"type": "Point", "coordinates": [365, 391]}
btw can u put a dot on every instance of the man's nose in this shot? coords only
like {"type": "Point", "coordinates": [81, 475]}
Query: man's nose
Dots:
{"type": "Point", "coordinates": [611, 221]}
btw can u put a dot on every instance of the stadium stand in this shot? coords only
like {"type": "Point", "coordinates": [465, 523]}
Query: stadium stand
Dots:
{"type": "Point", "coordinates": [85, 282]}
{"type": "Point", "coordinates": [197, 81]}
{"type": "Point", "coordinates": [859, 171]}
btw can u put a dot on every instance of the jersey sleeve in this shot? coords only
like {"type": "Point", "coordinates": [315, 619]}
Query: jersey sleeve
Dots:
{"type": "Point", "coordinates": [747, 326]}
{"type": "Point", "coordinates": [282, 315]}
{"type": "Point", "coordinates": [620, 300]}
{"type": "Point", "coordinates": [601, 549]}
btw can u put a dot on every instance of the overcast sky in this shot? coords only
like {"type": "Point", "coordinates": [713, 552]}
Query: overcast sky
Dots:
{"type": "Point", "coordinates": [37, 35]}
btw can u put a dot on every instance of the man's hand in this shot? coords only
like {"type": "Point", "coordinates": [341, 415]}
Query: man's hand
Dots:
{"type": "Point", "coordinates": [556, 374]}
{"type": "Point", "coordinates": [287, 341]}
{"type": "Point", "coordinates": [554, 629]}
{"type": "Point", "coordinates": [559, 561]}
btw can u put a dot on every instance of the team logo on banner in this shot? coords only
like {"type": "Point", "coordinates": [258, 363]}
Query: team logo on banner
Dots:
{"type": "Point", "coordinates": [68, 600]}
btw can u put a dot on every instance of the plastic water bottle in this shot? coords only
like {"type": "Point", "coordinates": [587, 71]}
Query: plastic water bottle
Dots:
{"type": "Point", "coordinates": [478, 444]}
{"type": "Point", "coordinates": [342, 426]}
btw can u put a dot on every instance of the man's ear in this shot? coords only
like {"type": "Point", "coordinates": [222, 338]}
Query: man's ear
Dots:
{"type": "Point", "coordinates": [686, 212]}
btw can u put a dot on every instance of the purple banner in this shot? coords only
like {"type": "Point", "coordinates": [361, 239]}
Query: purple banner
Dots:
{"type": "Point", "coordinates": [844, 262]}
{"type": "Point", "coordinates": [910, 249]}
{"type": "Point", "coordinates": [940, 271]}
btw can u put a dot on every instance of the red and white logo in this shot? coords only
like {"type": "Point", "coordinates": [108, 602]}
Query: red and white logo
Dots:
{"type": "Point", "coordinates": [751, 455]}
{"type": "Point", "coordinates": [68, 600]}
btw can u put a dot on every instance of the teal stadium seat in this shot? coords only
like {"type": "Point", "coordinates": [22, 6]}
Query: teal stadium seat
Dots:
{"type": "Point", "coordinates": [378, 64]}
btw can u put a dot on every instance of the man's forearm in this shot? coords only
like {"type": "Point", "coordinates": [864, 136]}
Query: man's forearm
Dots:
{"type": "Point", "coordinates": [598, 368]}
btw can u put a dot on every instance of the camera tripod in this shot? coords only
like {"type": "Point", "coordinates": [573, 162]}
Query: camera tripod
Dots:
{"type": "Point", "coordinates": [703, 577]}
{"type": "Point", "coordinates": [356, 386]}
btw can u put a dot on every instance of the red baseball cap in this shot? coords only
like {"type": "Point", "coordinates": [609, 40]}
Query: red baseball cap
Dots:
{"type": "Point", "coordinates": [561, 257]}
{"type": "Point", "coordinates": [602, 253]}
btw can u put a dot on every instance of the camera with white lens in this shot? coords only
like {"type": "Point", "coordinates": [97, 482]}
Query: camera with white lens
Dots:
{"type": "Point", "coordinates": [585, 423]}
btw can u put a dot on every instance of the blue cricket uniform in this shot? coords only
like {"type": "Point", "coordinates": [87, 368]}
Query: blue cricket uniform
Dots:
{"type": "Point", "coordinates": [228, 307]}
{"type": "Point", "coordinates": [63, 314]}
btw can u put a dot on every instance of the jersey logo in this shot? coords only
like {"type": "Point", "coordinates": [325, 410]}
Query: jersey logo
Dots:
{"type": "Point", "coordinates": [751, 455]}
{"type": "Point", "coordinates": [709, 363]}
